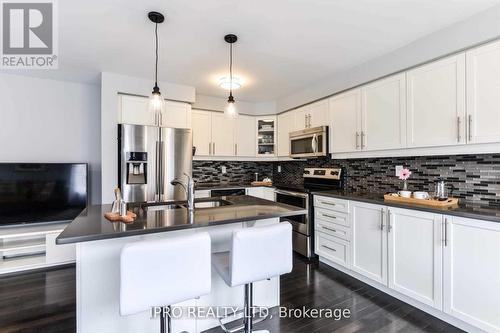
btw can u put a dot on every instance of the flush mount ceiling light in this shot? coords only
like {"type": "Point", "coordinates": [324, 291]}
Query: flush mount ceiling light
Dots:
{"type": "Point", "coordinates": [156, 101]}
{"type": "Point", "coordinates": [230, 110]}
{"type": "Point", "coordinates": [225, 83]}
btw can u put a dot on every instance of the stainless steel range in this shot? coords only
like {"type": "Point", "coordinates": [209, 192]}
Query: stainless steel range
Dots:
{"type": "Point", "coordinates": [315, 179]}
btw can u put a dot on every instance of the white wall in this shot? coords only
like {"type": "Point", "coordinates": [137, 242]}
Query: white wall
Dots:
{"type": "Point", "coordinates": [205, 102]}
{"type": "Point", "coordinates": [45, 120]}
{"type": "Point", "coordinates": [111, 85]}
{"type": "Point", "coordinates": [474, 30]}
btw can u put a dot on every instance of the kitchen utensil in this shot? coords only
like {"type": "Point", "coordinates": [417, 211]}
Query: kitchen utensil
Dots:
{"type": "Point", "coordinates": [440, 190]}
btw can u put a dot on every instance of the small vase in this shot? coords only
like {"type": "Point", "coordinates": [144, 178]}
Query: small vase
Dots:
{"type": "Point", "coordinates": [405, 185]}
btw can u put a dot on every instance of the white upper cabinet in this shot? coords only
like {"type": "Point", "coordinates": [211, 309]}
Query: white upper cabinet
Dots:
{"type": "Point", "coordinates": [483, 93]}
{"type": "Point", "coordinates": [345, 122]}
{"type": "Point", "coordinates": [472, 272]}
{"type": "Point", "coordinates": [134, 110]}
{"type": "Point", "coordinates": [202, 132]}
{"type": "Point", "coordinates": [415, 255]}
{"type": "Point", "coordinates": [300, 118]}
{"type": "Point", "coordinates": [285, 126]}
{"type": "Point", "coordinates": [369, 241]}
{"type": "Point", "coordinates": [244, 136]}
{"type": "Point", "coordinates": [222, 135]}
{"type": "Point", "coordinates": [383, 105]}
{"type": "Point", "coordinates": [176, 115]}
{"type": "Point", "coordinates": [318, 113]}
{"type": "Point", "coordinates": [436, 103]}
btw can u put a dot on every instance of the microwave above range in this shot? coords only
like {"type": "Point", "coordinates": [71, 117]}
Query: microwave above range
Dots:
{"type": "Point", "coordinates": [309, 142]}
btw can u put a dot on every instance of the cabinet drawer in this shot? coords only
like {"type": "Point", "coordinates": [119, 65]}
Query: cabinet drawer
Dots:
{"type": "Point", "coordinates": [332, 230]}
{"type": "Point", "coordinates": [338, 205]}
{"type": "Point", "coordinates": [331, 216]}
{"type": "Point", "coordinates": [334, 249]}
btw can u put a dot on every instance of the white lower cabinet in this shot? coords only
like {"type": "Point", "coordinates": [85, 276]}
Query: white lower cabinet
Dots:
{"type": "Point", "coordinates": [446, 265]}
{"type": "Point", "coordinates": [415, 254]}
{"type": "Point", "coordinates": [261, 192]}
{"type": "Point", "coordinates": [472, 272]}
{"type": "Point", "coordinates": [369, 241]}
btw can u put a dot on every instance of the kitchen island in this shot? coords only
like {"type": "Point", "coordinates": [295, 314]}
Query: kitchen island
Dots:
{"type": "Point", "coordinates": [99, 243]}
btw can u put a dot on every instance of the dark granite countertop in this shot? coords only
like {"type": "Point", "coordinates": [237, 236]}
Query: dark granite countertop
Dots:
{"type": "Point", "coordinates": [222, 186]}
{"type": "Point", "coordinates": [464, 209]}
{"type": "Point", "coordinates": [91, 224]}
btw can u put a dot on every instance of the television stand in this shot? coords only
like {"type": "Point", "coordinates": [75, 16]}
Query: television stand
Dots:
{"type": "Point", "coordinates": [27, 247]}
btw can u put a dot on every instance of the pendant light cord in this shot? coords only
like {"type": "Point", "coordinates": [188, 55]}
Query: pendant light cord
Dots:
{"type": "Point", "coordinates": [231, 69]}
{"type": "Point", "coordinates": [156, 54]}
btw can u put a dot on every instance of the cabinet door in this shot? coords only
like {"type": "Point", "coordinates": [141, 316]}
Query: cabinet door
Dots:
{"type": "Point", "coordinates": [472, 272]}
{"type": "Point", "coordinates": [134, 110]}
{"type": "Point", "coordinates": [369, 241]}
{"type": "Point", "coordinates": [318, 113]}
{"type": "Point", "coordinates": [255, 192]}
{"type": "Point", "coordinates": [415, 255]}
{"type": "Point", "coordinates": [483, 97]}
{"type": "Point", "coordinates": [202, 132]}
{"type": "Point", "coordinates": [285, 124]}
{"type": "Point", "coordinates": [222, 134]}
{"type": "Point", "coordinates": [176, 115]}
{"type": "Point", "coordinates": [345, 122]}
{"type": "Point", "coordinates": [245, 136]}
{"type": "Point", "coordinates": [436, 103]}
{"type": "Point", "coordinates": [383, 105]}
{"type": "Point", "coordinates": [300, 120]}
{"type": "Point", "coordinates": [268, 193]}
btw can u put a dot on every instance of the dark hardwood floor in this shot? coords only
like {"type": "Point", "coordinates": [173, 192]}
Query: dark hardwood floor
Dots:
{"type": "Point", "coordinates": [45, 302]}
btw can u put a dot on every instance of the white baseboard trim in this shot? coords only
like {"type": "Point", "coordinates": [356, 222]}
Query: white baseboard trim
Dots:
{"type": "Point", "coordinates": [424, 307]}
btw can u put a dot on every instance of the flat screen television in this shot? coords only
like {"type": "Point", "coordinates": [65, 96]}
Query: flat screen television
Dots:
{"type": "Point", "coordinates": [42, 192]}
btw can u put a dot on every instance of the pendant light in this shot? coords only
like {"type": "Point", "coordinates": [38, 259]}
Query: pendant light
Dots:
{"type": "Point", "coordinates": [156, 101]}
{"type": "Point", "coordinates": [230, 110]}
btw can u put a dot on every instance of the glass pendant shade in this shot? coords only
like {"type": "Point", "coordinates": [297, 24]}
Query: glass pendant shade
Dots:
{"type": "Point", "coordinates": [156, 102]}
{"type": "Point", "coordinates": [230, 110]}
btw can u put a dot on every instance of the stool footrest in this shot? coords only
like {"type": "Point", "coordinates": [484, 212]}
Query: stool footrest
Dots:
{"type": "Point", "coordinates": [259, 317]}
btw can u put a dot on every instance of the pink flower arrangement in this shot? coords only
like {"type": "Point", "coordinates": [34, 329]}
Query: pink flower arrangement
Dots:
{"type": "Point", "coordinates": [404, 174]}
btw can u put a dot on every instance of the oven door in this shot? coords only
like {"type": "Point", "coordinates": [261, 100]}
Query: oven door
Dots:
{"type": "Point", "coordinates": [300, 223]}
{"type": "Point", "coordinates": [308, 142]}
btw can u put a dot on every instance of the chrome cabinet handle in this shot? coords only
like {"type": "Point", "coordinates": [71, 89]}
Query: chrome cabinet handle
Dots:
{"type": "Point", "coordinates": [235, 149]}
{"type": "Point", "coordinates": [305, 120]}
{"type": "Point", "coordinates": [357, 140]}
{"type": "Point", "coordinates": [328, 203]}
{"type": "Point", "coordinates": [362, 140]}
{"type": "Point", "coordinates": [309, 121]}
{"type": "Point", "coordinates": [470, 127]}
{"type": "Point", "coordinates": [330, 216]}
{"type": "Point", "coordinates": [329, 248]}
{"type": "Point", "coordinates": [458, 129]}
{"type": "Point", "coordinates": [389, 226]}
{"type": "Point", "coordinates": [213, 143]}
{"type": "Point", "coordinates": [445, 231]}
{"type": "Point", "coordinates": [210, 148]}
{"type": "Point", "coordinates": [382, 219]}
{"type": "Point", "coordinates": [330, 229]}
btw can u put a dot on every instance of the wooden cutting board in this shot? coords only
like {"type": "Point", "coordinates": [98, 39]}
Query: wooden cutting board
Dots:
{"type": "Point", "coordinates": [426, 202]}
{"type": "Point", "coordinates": [254, 183]}
{"type": "Point", "coordinates": [115, 217]}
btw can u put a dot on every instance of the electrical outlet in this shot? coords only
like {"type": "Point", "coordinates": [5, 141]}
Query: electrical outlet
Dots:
{"type": "Point", "coordinates": [279, 168]}
{"type": "Point", "coordinates": [398, 169]}
{"type": "Point", "coordinates": [223, 169]}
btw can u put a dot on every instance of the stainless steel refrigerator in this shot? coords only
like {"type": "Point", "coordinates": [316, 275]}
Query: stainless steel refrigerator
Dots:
{"type": "Point", "coordinates": [149, 158]}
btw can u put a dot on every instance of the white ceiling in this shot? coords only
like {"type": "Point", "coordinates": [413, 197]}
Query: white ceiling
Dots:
{"type": "Point", "coordinates": [283, 46]}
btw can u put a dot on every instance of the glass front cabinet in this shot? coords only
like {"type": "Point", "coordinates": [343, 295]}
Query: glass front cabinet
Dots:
{"type": "Point", "coordinates": [266, 136]}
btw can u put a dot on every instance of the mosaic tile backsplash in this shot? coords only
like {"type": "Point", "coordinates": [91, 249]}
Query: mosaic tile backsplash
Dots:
{"type": "Point", "coordinates": [236, 172]}
{"type": "Point", "coordinates": [475, 178]}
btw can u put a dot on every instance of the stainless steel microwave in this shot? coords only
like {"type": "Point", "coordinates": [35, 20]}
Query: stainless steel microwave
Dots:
{"type": "Point", "coordinates": [309, 142]}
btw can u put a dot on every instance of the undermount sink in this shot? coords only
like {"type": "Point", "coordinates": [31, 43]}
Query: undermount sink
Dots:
{"type": "Point", "coordinates": [204, 203]}
{"type": "Point", "coordinates": [161, 206]}
{"type": "Point", "coordinates": [211, 203]}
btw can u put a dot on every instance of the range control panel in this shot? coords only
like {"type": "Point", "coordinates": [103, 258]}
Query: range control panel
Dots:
{"type": "Point", "coordinates": [325, 173]}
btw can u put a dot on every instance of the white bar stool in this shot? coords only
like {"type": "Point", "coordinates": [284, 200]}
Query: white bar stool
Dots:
{"type": "Point", "coordinates": [257, 254]}
{"type": "Point", "coordinates": [181, 266]}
